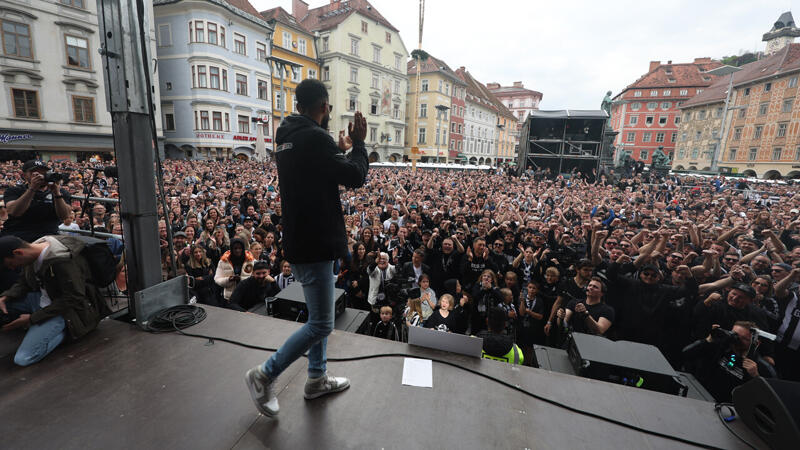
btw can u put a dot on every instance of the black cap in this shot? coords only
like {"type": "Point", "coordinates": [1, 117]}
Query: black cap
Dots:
{"type": "Point", "coordinates": [34, 164]}
{"type": "Point", "coordinates": [652, 267]}
{"type": "Point", "coordinates": [8, 244]}
{"type": "Point", "coordinates": [427, 231]}
{"type": "Point", "coordinates": [248, 218]}
{"type": "Point", "coordinates": [179, 234]}
{"type": "Point", "coordinates": [746, 289]}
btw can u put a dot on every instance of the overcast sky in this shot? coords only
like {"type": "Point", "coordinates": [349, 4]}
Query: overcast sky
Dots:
{"type": "Point", "coordinates": [574, 51]}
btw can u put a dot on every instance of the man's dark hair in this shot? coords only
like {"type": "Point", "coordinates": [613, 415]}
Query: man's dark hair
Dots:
{"type": "Point", "coordinates": [310, 93]}
{"type": "Point", "coordinates": [260, 265]}
{"type": "Point", "coordinates": [497, 319]}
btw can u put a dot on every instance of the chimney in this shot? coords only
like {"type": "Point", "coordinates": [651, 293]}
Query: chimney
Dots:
{"type": "Point", "coordinates": [299, 9]}
{"type": "Point", "coordinates": [518, 84]}
{"type": "Point", "coordinates": [654, 64]}
{"type": "Point", "coordinates": [702, 60]}
{"type": "Point", "coordinates": [493, 85]}
{"type": "Point", "coordinates": [669, 62]}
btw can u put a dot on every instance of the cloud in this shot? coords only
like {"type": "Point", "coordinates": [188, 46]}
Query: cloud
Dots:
{"type": "Point", "coordinates": [574, 51]}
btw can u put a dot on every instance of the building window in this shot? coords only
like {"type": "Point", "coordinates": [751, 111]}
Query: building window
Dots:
{"type": "Point", "coordinates": [757, 133]}
{"type": "Point", "coordinates": [782, 129]}
{"type": "Point", "coordinates": [213, 77]}
{"type": "Point", "coordinates": [677, 119]}
{"type": "Point", "coordinates": [353, 74]}
{"type": "Point", "coordinates": [652, 105]}
{"type": "Point", "coordinates": [261, 51]}
{"type": "Point", "coordinates": [763, 108]}
{"type": "Point", "coordinates": [683, 136]}
{"type": "Point", "coordinates": [659, 137]}
{"type": "Point", "coordinates": [396, 86]}
{"type": "Point", "coordinates": [279, 101]}
{"type": "Point", "coordinates": [674, 137]}
{"type": "Point", "coordinates": [375, 80]}
{"type": "Point", "coordinates": [373, 106]}
{"type": "Point", "coordinates": [787, 105]}
{"type": "Point", "coordinates": [241, 84]}
{"type": "Point", "coordinates": [398, 136]}
{"type": "Point", "coordinates": [654, 93]}
{"type": "Point", "coordinates": [684, 92]}
{"type": "Point", "coordinates": [635, 106]}
{"type": "Point", "coordinates": [648, 120]}
{"type": "Point", "coordinates": [354, 47]}
{"type": "Point", "coordinates": [681, 153]}
{"type": "Point", "coordinates": [212, 33]}
{"type": "Point", "coordinates": [216, 122]}
{"type": "Point", "coordinates": [376, 54]}
{"type": "Point", "coordinates": [793, 82]}
{"type": "Point", "coordinates": [701, 115]}
{"type": "Point", "coordinates": [164, 35]}
{"type": "Point", "coordinates": [74, 3]}
{"type": "Point", "coordinates": [397, 62]}
{"type": "Point", "coordinates": [776, 154]}
{"type": "Point", "coordinates": [423, 110]}
{"type": "Point", "coordinates": [667, 93]}
{"type": "Point", "coordinates": [388, 37]}
{"type": "Point", "coordinates": [637, 93]}
{"type": "Point", "coordinates": [396, 111]}
{"type": "Point", "coordinates": [737, 133]}
{"type": "Point", "coordinates": [263, 90]}
{"type": "Point", "coordinates": [169, 122]}
{"type": "Point", "coordinates": [326, 73]}
{"type": "Point", "coordinates": [732, 154]}
{"type": "Point", "coordinates": [743, 113]}
{"type": "Point", "coordinates": [424, 85]}
{"type": "Point", "coordinates": [753, 154]}
{"type": "Point", "coordinates": [297, 74]}
{"type": "Point", "coordinates": [301, 46]}
{"type": "Point", "coordinates": [17, 39]}
{"type": "Point", "coordinates": [634, 120]}
{"type": "Point", "coordinates": [797, 154]}
{"type": "Point", "coordinates": [695, 153]}
{"type": "Point", "coordinates": [199, 30]}
{"type": "Point", "coordinates": [204, 123]}
{"type": "Point", "coordinates": [421, 139]}
{"type": "Point", "coordinates": [286, 41]}
{"type": "Point", "coordinates": [239, 44]}
{"type": "Point", "coordinates": [364, 27]}
{"type": "Point", "coordinates": [201, 77]}
{"type": "Point", "coordinates": [767, 87]}
{"type": "Point", "coordinates": [83, 109]}
{"type": "Point", "coordinates": [351, 104]}
{"type": "Point", "coordinates": [718, 112]}
{"type": "Point", "coordinates": [325, 44]}
{"type": "Point", "coordinates": [312, 74]}
{"type": "Point", "coordinates": [647, 136]}
{"type": "Point", "coordinates": [666, 105]}
{"type": "Point", "coordinates": [698, 135]}
{"type": "Point", "coordinates": [373, 134]}
{"type": "Point", "coordinates": [662, 120]}
{"type": "Point", "coordinates": [244, 124]}
{"type": "Point", "coordinates": [78, 52]}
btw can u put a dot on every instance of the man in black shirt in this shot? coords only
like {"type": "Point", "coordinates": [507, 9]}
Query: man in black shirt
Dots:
{"type": "Point", "coordinates": [36, 208]}
{"type": "Point", "coordinates": [591, 315]}
{"type": "Point", "coordinates": [255, 288]}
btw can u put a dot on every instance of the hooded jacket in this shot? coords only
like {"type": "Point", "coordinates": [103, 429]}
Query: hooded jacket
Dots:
{"type": "Point", "coordinates": [310, 170]}
{"type": "Point", "coordinates": [64, 274]}
{"type": "Point", "coordinates": [225, 270]}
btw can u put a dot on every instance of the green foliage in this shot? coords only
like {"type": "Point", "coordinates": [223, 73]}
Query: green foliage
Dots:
{"type": "Point", "coordinates": [739, 60]}
{"type": "Point", "coordinates": [421, 55]}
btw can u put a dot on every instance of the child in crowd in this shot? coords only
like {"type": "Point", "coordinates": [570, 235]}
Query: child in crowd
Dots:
{"type": "Point", "coordinates": [385, 328]}
{"type": "Point", "coordinates": [286, 277]}
{"type": "Point", "coordinates": [511, 310]}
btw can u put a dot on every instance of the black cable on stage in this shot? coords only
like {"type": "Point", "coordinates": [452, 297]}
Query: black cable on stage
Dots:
{"type": "Point", "coordinates": [179, 317]}
{"type": "Point", "coordinates": [718, 407]}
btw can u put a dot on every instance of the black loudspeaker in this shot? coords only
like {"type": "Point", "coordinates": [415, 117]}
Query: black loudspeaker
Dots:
{"type": "Point", "coordinates": [771, 408]}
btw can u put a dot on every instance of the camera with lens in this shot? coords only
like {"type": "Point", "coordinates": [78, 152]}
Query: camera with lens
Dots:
{"type": "Point", "coordinates": [55, 177]}
{"type": "Point", "coordinates": [723, 337]}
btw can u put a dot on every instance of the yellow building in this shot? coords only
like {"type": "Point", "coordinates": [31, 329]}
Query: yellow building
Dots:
{"type": "Point", "coordinates": [293, 48]}
{"type": "Point", "coordinates": [428, 126]}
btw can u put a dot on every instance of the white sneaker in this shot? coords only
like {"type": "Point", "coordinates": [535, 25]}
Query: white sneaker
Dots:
{"type": "Point", "coordinates": [261, 390]}
{"type": "Point", "coordinates": [326, 384]}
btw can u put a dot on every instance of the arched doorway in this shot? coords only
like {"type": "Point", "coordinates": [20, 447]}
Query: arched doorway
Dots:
{"type": "Point", "coordinates": [243, 153]}
{"type": "Point", "coordinates": [473, 160]}
{"type": "Point", "coordinates": [488, 161]}
{"type": "Point", "coordinates": [772, 175]}
{"type": "Point", "coordinates": [374, 157]}
{"type": "Point", "coordinates": [679, 168]}
{"type": "Point", "coordinates": [395, 157]}
{"type": "Point", "coordinates": [749, 173]}
{"type": "Point", "coordinates": [692, 168]}
{"type": "Point", "coordinates": [795, 174]}
{"type": "Point", "coordinates": [187, 151]}
{"type": "Point", "coordinates": [171, 151]}
{"type": "Point", "coordinates": [480, 161]}
{"type": "Point", "coordinates": [706, 169]}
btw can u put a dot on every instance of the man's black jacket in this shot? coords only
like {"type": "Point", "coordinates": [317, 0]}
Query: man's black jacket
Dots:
{"type": "Point", "coordinates": [310, 170]}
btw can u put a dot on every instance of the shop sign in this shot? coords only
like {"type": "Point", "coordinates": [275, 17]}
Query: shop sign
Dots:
{"type": "Point", "coordinates": [5, 138]}
{"type": "Point", "coordinates": [210, 136]}
{"type": "Point", "coordinates": [249, 138]}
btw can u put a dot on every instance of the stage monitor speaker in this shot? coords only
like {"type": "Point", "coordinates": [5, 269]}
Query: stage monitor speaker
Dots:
{"type": "Point", "coordinates": [290, 303]}
{"type": "Point", "coordinates": [623, 362]}
{"type": "Point", "coordinates": [771, 408]}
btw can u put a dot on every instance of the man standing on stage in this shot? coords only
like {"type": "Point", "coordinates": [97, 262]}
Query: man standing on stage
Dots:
{"type": "Point", "coordinates": [310, 169]}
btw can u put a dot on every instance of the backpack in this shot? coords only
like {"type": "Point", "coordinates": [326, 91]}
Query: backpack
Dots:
{"type": "Point", "coordinates": [102, 263]}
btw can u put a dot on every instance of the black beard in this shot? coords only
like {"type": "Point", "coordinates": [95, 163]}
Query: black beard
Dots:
{"type": "Point", "coordinates": [325, 120]}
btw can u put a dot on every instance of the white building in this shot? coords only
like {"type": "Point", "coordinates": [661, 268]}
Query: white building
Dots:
{"type": "Point", "coordinates": [53, 99]}
{"type": "Point", "coordinates": [480, 123]}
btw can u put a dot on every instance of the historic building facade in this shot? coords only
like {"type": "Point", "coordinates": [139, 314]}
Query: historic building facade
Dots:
{"type": "Point", "coordinates": [215, 81]}
{"type": "Point", "coordinates": [55, 100]}
{"type": "Point", "coordinates": [363, 65]}
{"type": "Point", "coordinates": [701, 128]}
{"type": "Point", "coordinates": [646, 114]}
{"type": "Point", "coordinates": [519, 100]}
{"type": "Point", "coordinates": [429, 127]}
{"type": "Point", "coordinates": [480, 122]}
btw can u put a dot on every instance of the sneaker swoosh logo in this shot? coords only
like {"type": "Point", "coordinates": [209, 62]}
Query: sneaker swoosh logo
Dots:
{"type": "Point", "coordinates": [257, 387]}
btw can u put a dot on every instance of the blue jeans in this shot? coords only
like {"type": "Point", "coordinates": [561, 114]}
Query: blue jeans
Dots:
{"type": "Point", "coordinates": [317, 280]}
{"type": "Point", "coordinates": [41, 338]}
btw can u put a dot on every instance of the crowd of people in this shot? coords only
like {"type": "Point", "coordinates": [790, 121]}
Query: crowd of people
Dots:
{"type": "Point", "coordinates": [660, 261]}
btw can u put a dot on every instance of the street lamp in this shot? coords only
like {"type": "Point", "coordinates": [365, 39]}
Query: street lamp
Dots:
{"type": "Point", "coordinates": [440, 111]}
{"type": "Point", "coordinates": [723, 136]}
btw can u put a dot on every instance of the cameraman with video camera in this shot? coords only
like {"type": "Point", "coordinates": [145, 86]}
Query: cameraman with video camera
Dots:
{"type": "Point", "coordinates": [36, 208]}
{"type": "Point", "coordinates": [726, 359]}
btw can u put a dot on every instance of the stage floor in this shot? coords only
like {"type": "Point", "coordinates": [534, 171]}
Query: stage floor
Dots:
{"type": "Point", "coordinates": [120, 387]}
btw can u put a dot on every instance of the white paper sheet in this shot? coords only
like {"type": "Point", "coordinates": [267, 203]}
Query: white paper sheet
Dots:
{"type": "Point", "coordinates": [418, 372]}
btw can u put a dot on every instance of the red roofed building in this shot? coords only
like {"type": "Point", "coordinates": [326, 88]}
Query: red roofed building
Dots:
{"type": "Point", "coordinates": [646, 114]}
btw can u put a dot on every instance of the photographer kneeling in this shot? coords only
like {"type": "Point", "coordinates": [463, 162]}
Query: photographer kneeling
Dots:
{"type": "Point", "coordinates": [726, 359]}
{"type": "Point", "coordinates": [53, 297]}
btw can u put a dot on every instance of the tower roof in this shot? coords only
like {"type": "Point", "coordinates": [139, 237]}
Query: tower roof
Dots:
{"type": "Point", "coordinates": [784, 26]}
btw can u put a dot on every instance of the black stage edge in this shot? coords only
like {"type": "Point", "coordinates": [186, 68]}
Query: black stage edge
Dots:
{"type": "Point", "coordinates": [120, 387]}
